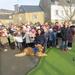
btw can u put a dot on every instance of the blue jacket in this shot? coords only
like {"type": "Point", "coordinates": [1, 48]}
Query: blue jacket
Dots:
{"type": "Point", "coordinates": [52, 36]}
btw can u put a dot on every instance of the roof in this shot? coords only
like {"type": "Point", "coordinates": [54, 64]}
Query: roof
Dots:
{"type": "Point", "coordinates": [6, 11]}
{"type": "Point", "coordinates": [24, 8]}
{"type": "Point", "coordinates": [4, 16]}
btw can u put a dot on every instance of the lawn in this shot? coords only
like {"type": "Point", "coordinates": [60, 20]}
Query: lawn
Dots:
{"type": "Point", "coordinates": [56, 63]}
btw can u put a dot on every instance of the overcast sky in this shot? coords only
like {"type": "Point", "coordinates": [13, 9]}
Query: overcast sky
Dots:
{"type": "Point", "coordinates": [9, 4]}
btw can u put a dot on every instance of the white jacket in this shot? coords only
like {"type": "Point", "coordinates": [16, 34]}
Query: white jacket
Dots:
{"type": "Point", "coordinates": [18, 39]}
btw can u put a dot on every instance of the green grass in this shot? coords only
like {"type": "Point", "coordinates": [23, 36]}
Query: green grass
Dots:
{"type": "Point", "coordinates": [56, 63]}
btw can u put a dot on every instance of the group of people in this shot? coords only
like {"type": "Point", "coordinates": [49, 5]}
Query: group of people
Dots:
{"type": "Point", "coordinates": [28, 35]}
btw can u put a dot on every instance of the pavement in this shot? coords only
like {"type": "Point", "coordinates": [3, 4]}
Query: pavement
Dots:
{"type": "Point", "coordinates": [11, 65]}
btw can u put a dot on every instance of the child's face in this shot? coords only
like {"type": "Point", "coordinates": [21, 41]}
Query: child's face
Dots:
{"type": "Point", "coordinates": [65, 25]}
{"type": "Point", "coordinates": [39, 32]}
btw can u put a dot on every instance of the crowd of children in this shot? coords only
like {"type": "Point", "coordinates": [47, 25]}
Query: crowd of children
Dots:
{"type": "Point", "coordinates": [28, 35]}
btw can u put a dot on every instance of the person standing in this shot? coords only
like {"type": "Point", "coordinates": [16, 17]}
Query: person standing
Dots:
{"type": "Point", "coordinates": [70, 36]}
{"type": "Point", "coordinates": [11, 41]}
{"type": "Point", "coordinates": [64, 31]}
{"type": "Point", "coordinates": [19, 40]}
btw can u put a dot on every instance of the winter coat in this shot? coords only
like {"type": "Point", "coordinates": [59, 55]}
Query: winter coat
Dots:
{"type": "Point", "coordinates": [46, 36]}
{"type": "Point", "coordinates": [27, 38]}
{"type": "Point", "coordinates": [70, 34]}
{"type": "Point", "coordinates": [11, 38]}
{"type": "Point", "coordinates": [40, 39]}
{"type": "Point", "coordinates": [64, 32]}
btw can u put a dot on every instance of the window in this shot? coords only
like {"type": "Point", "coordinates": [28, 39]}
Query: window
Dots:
{"type": "Point", "coordinates": [62, 12]}
{"type": "Point", "coordinates": [34, 16]}
{"type": "Point", "coordinates": [56, 12]}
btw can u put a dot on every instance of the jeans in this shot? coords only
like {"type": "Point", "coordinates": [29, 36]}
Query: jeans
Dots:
{"type": "Point", "coordinates": [64, 44]}
{"type": "Point", "coordinates": [54, 43]}
{"type": "Point", "coordinates": [19, 45]}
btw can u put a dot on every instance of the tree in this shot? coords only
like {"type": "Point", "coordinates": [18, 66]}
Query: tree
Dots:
{"type": "Point", "coordinates": [69, 8]}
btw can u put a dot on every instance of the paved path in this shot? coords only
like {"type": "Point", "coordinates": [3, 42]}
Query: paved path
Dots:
{"type": "Point", "coordinates": [11, 65]}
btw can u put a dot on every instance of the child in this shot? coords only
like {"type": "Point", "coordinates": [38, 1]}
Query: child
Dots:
{"type": "Point", "coordinates": [19, 40]}
{"type": "Point", "coordinates": [50, 37]}
{"type": "Point", "coordinates": [11, 41]}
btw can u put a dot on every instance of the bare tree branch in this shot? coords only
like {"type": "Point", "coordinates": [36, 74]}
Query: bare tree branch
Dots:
{"type": "Point", "coordinates": [68, 8]}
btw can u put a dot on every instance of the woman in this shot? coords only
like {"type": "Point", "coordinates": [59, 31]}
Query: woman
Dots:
{"type": "Point", "coordinates": [3, 39]}
{"type": "Point", "coordinates": [70, 36]}
{"type": "Point", "coordinates": [40, 38]}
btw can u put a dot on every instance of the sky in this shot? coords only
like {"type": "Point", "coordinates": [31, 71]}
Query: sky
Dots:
{"type": "Point", "coordinates": [9, 4]}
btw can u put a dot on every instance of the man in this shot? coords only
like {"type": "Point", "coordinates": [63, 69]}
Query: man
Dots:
{"type": "Point", "coordinates": [64, 31]}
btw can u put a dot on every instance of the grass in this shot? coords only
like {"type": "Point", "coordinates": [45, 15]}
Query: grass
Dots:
{"type": "Point", "coordinates": [56, 63]}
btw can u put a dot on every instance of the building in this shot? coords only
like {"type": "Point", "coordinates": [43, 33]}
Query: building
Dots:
{"type": "Point", "coordinates": [46, 5]}
{"type": "Point", "coordinates": [26, 14]}
{"type": "Point", "coordinates": [6, 16]}
{"type": "Point", "coordinates": [54, 9]}
{"type": "Point", "coordinates": [61, 14]}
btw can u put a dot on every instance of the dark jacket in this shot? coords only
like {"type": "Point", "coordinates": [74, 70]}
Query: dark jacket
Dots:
{"type": "Point", "coordinates": [40, 39]}
{"type": "Point", "coordinates": [64, 32]}
{"type": "Point", "coordinates": [70, 34]}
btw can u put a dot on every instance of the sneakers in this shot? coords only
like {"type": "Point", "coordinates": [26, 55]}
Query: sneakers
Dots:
{"type": "Point", "coordinates": [57, 47]}
{"type": "Point", "coordinates": [69, 48]}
